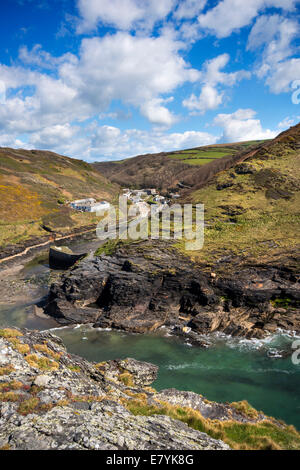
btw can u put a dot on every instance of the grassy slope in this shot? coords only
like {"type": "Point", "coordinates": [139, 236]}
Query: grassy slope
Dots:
{"type": "Point", "coordinates": [35, 184]}
{"type": "Point", "coordinates": [267, 434]}
{"type": "Point", "coordinates": [163, 171]}
{"type": "Point", "coordinates": [258, 215]}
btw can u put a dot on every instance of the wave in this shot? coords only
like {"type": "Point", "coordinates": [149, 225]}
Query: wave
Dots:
{"type": "Point", "coordinates": [190, 365]}
{"type": "Point", "coordinates": [247, 370]}
{"type": "Point", "coordinates": [277, 342]}
{"type": "Point", "coordinates": [56, 328]}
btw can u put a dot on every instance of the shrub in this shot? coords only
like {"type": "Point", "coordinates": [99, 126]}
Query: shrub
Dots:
{"type": "Point", "coordinates": [43, 363]}
{"type": "Point", "coordinates": [10, 333]}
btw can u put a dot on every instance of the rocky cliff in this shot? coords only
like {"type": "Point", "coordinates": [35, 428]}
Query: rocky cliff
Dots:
{"type": "Point", "coordinates": [50, 399]}
{"type": "Point", "coordinates": [145, 285]}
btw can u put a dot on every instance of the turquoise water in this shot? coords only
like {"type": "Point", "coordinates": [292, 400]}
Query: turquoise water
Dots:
{"type": "Point", "coordinates": [230, 370]}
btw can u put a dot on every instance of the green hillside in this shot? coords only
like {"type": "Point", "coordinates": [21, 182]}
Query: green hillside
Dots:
{"type": "Point", "coordinates": [252, 209]}
{"type": "Point", "coordinates": [34, 189]}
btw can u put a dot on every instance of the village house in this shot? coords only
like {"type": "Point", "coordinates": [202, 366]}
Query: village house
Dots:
{"type": "Point", "coordinates": [136, 199]}
{"type": "Point", "coordinates": [150, 192]}
{"type": "Point", "coordinates": [139, 192]}
{"type": "Point", "coordinates": [158, 198]}
{"type": "Point", "coordinates": [89, 205]}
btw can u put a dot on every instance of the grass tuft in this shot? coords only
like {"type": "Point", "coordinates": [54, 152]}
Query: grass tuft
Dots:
{"type": "Point", "coordinates": [10, 333]}
{"type": "Point", "coordinates": [245, 409]}
{"type": "Point", "coordinates": [262, 435]}
{"type": "Point", "coordinates": [6, 370]}
{"type": "Point", "coordinates": [43, 363]}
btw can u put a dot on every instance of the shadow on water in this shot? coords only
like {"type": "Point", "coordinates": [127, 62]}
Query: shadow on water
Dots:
{"type": "Point", "coordinates": [25, 316]}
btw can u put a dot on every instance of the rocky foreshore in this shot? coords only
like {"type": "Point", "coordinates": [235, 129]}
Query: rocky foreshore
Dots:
{"type": "Point", "coordinates": [145, 285]}
{"type": "Point", "coordinates": [50, 399]}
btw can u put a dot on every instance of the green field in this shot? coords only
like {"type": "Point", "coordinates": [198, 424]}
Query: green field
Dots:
{"type": "Point", "coordinates": [207, 154]}
{"type": "Point", "coordinates": [201, 157]}
{"type": "Point", "coordinates": [198, 161]}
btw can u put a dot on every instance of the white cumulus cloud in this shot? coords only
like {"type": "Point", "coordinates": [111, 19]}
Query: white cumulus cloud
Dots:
{"type": "Point", "coordinates": [275, 35]}
{"type": "Point", "coordinates": [189, 8]}
{"type": "Point", "coordinates": [208, 99]}
{"type": "Point", "coordinates": [138, 71]}
{"type": "Point", "coordinates": [286, 123]}
{"type": "Point", "coordinates": [111, 142]}
{"type": "Point", "coordinates": [230, 15]}
{"type": "Point", "coordinates": [100, 143]}
{"type": "Point", "coordinates": [53, 136]}
{"type": "Point", "coordinates": [122, 14]}
{"type": "Point", "coordinates": [212, 76]}
{"type": "Point", "coordinates": [242, 125]}
{"type": "Point", "coordinates": [158, 114]}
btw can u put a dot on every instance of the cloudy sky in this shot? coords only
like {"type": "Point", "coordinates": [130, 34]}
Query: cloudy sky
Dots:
{"type": "Point", "coordinates": [107, 79]}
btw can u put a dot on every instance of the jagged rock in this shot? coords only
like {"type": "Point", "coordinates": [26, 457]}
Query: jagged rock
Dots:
{"type": "Point", "coordinates": [144, 373]}
{"type": "Point", "coordinates": [244, 169]}
{"type": "Point", "coordinates": [42, 380]}
{"type": "Point", "coordinates": [232, 210]}
{"type": "Point", "coordinates": [161, 289]}
{"type": "Point", "coordinates": [221, 186]}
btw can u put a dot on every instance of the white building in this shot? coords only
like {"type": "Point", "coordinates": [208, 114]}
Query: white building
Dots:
{"type": "Point", "coordinates": [136, 199]}
{"type": "Point", "coordinates": [82, 202]}
{"type": "Point", "coordinates": [159, 198]}
{"type": "Point", "coordinates": [89, 205]}
{"type": "Point", "coordinates": [100, 206]}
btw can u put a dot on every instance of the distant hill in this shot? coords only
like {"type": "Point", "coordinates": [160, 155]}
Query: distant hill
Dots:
{"type": "Point", "coordinates": [252, 208]}
{"type": "Point", "coordinates": [165, 170]}
{"type": "Point", "coordinates": [34, 187]}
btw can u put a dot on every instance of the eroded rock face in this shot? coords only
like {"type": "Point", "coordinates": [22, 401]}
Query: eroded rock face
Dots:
{"type": "Point", "coordinates": [147, 285]}
{"type": "Point", "coordinates": [107, 426]}
{"type": "Point", "coordinates": [50, 399]}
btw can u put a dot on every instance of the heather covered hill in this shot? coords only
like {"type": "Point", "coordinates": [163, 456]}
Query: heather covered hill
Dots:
{"type": "Point", "coordinates": [165, 170]}
{"type": "Point", "coordinates": [252, 208]}
{"type": "Point", "coordinates": [34, 187]}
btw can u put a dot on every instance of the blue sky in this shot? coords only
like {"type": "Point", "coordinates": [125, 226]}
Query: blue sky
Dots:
{"type": "Point", "coordinates": [107, 79]}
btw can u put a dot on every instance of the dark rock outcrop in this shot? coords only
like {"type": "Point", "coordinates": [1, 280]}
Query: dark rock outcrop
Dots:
{"type": "Point", "coordinates": [244, 169]}
{"type": "Point", "coordinates": [163, 288]}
